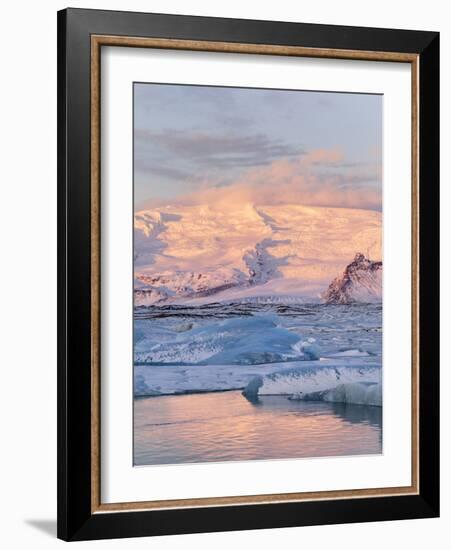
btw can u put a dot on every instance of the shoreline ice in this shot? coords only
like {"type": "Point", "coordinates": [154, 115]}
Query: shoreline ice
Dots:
{"type": "Point", "coordinates": [278, 349]}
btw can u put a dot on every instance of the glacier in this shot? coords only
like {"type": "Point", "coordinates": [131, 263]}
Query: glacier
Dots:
{"type": "Point", "coordinates": [197, 254]}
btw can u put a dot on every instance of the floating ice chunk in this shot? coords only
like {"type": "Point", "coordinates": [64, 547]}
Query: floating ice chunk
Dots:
{"type": "Point", "coordinates": [256, 347]}
{"type": "Point", "coordinates": [350, 353]}
{"type": "Point", "coordinates": [142, 388]}
{"type": "Point", "coordinates": [183, 327]}
{"type": "Point", "coordinates": [307, 348]}
{"type": "Point", "coordinates": [305, 380]}
{"type": "Point", "coordinates": [356, 393]}
{"type": "Point", "coordinates": [247, 340]}
{"type": "Point", "coordinates": [251, 390]}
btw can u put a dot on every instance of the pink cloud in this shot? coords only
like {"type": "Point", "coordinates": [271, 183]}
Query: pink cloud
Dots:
{"type": "Point", "coordinates": [316, 178]}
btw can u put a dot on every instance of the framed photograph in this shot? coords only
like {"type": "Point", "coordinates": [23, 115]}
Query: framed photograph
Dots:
{"type": "Point", "coordinates": [248, 274]}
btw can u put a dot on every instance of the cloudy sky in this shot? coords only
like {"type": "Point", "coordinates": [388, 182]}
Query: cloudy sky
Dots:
{"type": "Point", "coordinates": [197, 144]}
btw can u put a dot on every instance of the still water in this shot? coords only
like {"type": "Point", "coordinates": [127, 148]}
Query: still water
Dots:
{"type": "Point", "coordinates": [224, 426]}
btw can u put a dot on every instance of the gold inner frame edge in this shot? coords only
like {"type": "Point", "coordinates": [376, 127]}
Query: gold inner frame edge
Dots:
{"type": "Point", "coordinates": [97, 41]}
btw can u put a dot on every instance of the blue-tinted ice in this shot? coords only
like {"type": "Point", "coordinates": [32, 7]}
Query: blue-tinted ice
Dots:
{"type": "Point", "coordinates": [294, 349]}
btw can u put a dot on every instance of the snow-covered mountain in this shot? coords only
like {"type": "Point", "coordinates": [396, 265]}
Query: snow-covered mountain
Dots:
{"type": "Point", "coordinates": [361, 281]}
{"type": "Point", "coordinates": [200, 253]}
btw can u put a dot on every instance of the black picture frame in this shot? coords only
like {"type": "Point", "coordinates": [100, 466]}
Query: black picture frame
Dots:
{"type": "Point", "coordinates": [76, 520]}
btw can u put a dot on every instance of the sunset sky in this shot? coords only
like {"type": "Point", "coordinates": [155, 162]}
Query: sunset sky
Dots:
{"type": "Point", "coordinates": [197, 144]}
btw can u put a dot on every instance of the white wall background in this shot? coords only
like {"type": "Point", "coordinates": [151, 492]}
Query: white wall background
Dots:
{"type": "Point", "coordinates": [28, 271]}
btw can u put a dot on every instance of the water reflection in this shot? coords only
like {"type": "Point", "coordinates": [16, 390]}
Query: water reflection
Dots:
{"type": "Point", "coordinates": [356, 414]}
{"type": "Point", "coordinates": [226, 426]}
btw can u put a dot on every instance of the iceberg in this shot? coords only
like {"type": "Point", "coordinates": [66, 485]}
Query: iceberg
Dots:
{"type": "Point", "coordinates": [356, 393]}
{"type": "Point", "coordinates": [252, 340]}
{"type": "Point", "coordinates": [218, 347]}
{"type": "Point", "coordinates": [317, 380]}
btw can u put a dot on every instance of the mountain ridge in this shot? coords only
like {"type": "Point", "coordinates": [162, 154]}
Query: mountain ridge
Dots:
{"type": "Point", "coordinates": [361, 281]}
{"type": "Point", "coordinates": [195, 252]}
